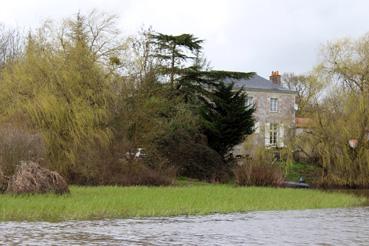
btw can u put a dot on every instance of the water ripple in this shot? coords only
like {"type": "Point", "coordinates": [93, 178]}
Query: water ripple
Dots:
{"type": "Point", "coordinates": [306, 227]}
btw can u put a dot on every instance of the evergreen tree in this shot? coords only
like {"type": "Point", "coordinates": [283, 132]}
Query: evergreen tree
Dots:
{"type": "Point", "coordinates": [174, 51]}
{"type": "Point", "coordinates": [225, 118]}
{"type": "Point", "coordinates": [181, 58]}
{"type": "Point", "coordinates": [196, 82]}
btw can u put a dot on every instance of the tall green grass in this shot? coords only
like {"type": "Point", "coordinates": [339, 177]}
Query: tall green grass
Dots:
{"type": "Point", "coordinates": [86, 203]}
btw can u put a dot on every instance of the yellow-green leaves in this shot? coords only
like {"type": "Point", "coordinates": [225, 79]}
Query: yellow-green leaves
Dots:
{"type": "Point", "coordinates": [65, 95]}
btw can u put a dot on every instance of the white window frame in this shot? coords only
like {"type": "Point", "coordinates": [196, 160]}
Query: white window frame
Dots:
{"type": "Point", "coordinates": [280, 140]}
{"type": "Point", "coordinates": [250, 100]}
{"type": "Point", "coordinates": [257, 127]}
{"type": "Point", "coordinates": [273, 107]}
{"type": "Point", "coordinates": [273, 134]}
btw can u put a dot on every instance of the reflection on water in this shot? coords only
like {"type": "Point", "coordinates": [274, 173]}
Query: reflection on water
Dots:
{"type": "Point", "coordinates": [307, 227]}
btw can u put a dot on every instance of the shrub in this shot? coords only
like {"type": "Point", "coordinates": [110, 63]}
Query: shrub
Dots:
{"type": "Point", "coordinates": [112, 166]}
{"type": "Point", "coordinates": [259, 171]}
{"type": "Point", "coordinates": [192, 157]}
{"type": "Point", "coordinates": [136, 172]}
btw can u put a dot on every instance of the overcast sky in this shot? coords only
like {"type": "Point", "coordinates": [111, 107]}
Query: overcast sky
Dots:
{"type": "Point", "coordinates": [240, 35]}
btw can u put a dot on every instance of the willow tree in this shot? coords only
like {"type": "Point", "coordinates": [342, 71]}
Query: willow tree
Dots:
{"type": "Point", "coordinates": [340, 128]}
{"type": "Point", "coordinates": [63, 92]}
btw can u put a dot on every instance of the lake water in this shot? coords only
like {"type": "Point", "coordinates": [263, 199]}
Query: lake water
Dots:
{"type": "Point", "coordinates": [306, 227]}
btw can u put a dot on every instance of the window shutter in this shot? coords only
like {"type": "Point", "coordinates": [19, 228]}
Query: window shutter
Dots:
{"type": "Point", "coordinates": [267, 134]}
{"type": "Point", "coordinates": [257, 127]}
{"type": "Point", "coordinates": [280, 140]}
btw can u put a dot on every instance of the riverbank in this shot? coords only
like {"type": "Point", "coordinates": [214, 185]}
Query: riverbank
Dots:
{"type": "Point", "coordinates": [89, 203]}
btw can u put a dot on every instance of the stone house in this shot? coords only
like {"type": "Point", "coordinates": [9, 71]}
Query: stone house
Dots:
{"type": "Point", "coordinates": [302, 125]}
{"type": "Point", "coordinates": [274, 115]}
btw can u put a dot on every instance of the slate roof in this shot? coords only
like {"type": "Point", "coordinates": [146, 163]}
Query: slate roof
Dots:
{"type": "Point", "coordinates": [258, 83]}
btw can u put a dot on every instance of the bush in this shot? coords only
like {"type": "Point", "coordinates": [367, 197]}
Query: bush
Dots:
{"type": "Point", "coordinates": [192, 157]}
{"type": "Point", "coordinates": [259, 171]}
{"type": "Point", "coordinates": [112, 166]}
{"type": "Point", "coordinates": [136, 172]}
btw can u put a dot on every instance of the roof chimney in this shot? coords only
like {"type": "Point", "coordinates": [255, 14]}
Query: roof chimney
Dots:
{"type": "Point", "coordinates": [275, 77]}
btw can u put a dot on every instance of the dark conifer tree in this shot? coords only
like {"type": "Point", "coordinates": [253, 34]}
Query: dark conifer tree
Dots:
{"type": "Point", "coordinates": [174, 52]}
{"type": "Point", "coordinates": [225, 118]}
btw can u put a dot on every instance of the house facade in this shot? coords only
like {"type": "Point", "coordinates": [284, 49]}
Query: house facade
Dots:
{"type": "Point", "coordinates": [275, 112]}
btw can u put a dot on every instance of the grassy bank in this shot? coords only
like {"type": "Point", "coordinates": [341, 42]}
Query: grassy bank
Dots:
{"type": "Point", "coordinates": [311, 173]}
{"type": "Point", "coordinates": [85, 203]}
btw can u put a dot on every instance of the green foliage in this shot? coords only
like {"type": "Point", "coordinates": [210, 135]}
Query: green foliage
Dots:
{"type": "Point", "coordinates": [65, 95]}
{"type": "Point", "coordinates": [226, 123]}
{"type": "Point", "coordinates": [90, 98]}
{"type": "Point", "coordinates": [189, 152]}
{"type": "Point", "coordinates": [225, 119]}
{"type": "Point", "coordinates": [194, 82]}
{"type": "Point", "coordinates": [174, 51]}
{"type": "Point", "coordinates": [333, 128]}
{"type": "Point", "coordinates": [309, 172]}
{"type": "Point", "coordinates": [342, 115]}
{"type": "Point", "coordinates": [151, 114]}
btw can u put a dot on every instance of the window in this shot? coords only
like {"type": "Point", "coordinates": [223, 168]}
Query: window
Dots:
{"type": "Point", "coordinates": [273, 104]}
{"type": "Point", "coordinates": [273, 133]}
{"type": "Point", "coordinates": [249, 101]}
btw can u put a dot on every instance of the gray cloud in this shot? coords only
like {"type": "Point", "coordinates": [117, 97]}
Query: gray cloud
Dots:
{"type": "Point", "coordinates": [260, 35]}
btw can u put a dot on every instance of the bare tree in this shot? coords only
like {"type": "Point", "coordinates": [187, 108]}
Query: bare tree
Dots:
{"type": "Point", "coordinates": [307, 87]}
{"type": "Point", "coordinates": [142, 61]}
{"type": "Point", "coordinates": [11, 44]}
{"type": "Point", "coordinates": [101, 34]}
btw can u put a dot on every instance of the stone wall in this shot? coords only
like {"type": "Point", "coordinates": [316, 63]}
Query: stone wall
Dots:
{"type": "Point", "coordinates": [284, 117]}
